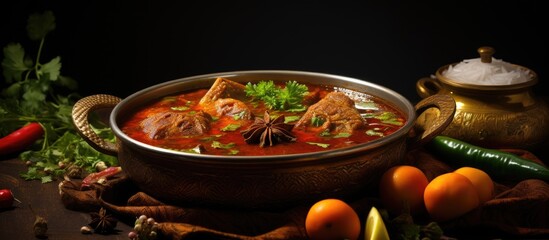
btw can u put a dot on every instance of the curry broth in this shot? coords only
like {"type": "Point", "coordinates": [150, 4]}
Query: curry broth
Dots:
{"type": "Point", "coordinates": [220, 142]}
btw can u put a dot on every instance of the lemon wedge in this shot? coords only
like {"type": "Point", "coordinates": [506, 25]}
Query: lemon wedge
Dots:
{"type": "Point", "coordinates": [375, 227]}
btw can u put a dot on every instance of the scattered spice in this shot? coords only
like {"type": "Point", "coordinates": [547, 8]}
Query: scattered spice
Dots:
{"type": "Point", "coordinates": [144, 229]}
{"type": "Point", "coordinates": [74, 171]}
{"type": "Point", "coordinates": [40, 226]}
{"type": "Point", "coordinates": [102, 222]}
{"type": "Point", "coordinates": [100, 176]}
{"type": "Point", "coordinates": [85, 230]}
{"type": "Point", "coordinates": [100, 166]}
{"type": "Point", "coordinates": [268, 132]}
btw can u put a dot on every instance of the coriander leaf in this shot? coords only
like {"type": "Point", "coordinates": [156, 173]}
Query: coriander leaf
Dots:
{"type": "Point", "coordinates": [322, 145]}
{"type": "Point", "coordinates": [317, 121]}
{"type": "Point", "coordinates": [10, 116]}
{"type": "Point", "coordinates": [288, 119]}
{"type": "Point", "coordinates": [216, 144]}
{"type": "Point", "coordinates": [262, 89]}
{"type": "Point", "coordinates": [12, 91]}
{"type": "Point", "coordinates": [13, 64]}
{"type": "Point", "coordinates": [233, 152]}
{"type": "Point", "coordinates": [288, 98]}
{"type": "Point", "coordinates": [432, 231]}
{"type": "Point", "coordinates": [33, 96]}
{"type": "Point", "coordinates": [239, 115]}
{"type": "Point", "coordinates": [50, 70]}
{"type": "Point", "coordinates": [197, 150]}
{"type": "Point", "coordinates": [292, 95]}
{"type": "Point", "coordinates": [38, 25]}
{"type": "Point", "coordinates": [371, 132]}
{"type": "Point", "coordinates": [390, 118]}
{"type": "Point", "coordinates": [266, 91]}
{"type": "Point", "coordinates": [409, 231]}
{"type": "Point", "coordinates": [101, 129]}
{"type": "Point", "coordinates": [67, 82]}
{"type": "Point", "coordinates": [32, 174]}
{"type": "Point", "coordinates": [342, 135]}
{"type": "Point", "coordinates": [385, 117]}
{"type": "Point", "coordinates": [46, 179]}
{"type": "Point", "coordinates": [230, 127]}
{"type": "Point", "coordinates": [64, 114]}
{"type": "Point", "coordinates": [211, 138]}
{"type": "Point", "coordinates": [325, 133]}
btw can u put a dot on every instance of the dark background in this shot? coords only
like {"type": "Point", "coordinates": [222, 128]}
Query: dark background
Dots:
{"type": "Point", "coordinates": [119, 47]}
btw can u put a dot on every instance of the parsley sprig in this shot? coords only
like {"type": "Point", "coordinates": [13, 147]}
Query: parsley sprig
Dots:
{"type": "Point", "coordinates": [288, 98]}
{"type": "Point", "coordinates": [31, 96]}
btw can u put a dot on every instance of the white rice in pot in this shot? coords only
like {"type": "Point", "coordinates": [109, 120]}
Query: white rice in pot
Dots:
{"type": "Point", "coordinates": [498, 72]}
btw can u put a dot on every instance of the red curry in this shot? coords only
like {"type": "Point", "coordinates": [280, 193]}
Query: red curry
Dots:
{"type": "Point", "coordinates": [223, 135]}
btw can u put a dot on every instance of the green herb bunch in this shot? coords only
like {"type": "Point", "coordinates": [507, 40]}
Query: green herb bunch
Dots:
{"type": "Point", "coordinates": [31, 96]}
{"type": "Point", "coordinates": [288, 98]}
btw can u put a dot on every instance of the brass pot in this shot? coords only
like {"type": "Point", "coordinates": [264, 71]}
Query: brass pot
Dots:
{"type": "Point", "coordinates": [264, 181]}
{"type": "Point", "coordinates": [492, 116]}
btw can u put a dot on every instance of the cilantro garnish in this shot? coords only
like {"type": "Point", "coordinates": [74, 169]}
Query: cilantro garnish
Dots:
{"type": "Point", "coordinates": [31, 96]}
{"type": "Point", "coordinates": [342, 135]}
{"type": "Point", "coordinates": [239, 115]}
{"type": "Point", "coordinates": [288, 98]}
{"type": "Point", "coordinates": [288, 119]}
{"type": "Point", "coordinates": [317, 121]}
{"type": "Point", "coordinates": [217, 144]}
{"type": "Point", "coordinates": [385, 117]}
{"type": "Point", "coordinates": [322, 145]}
{"type": "Point", "coordinates": [374, 132]}
{"type": "Point", "coordinates": [230, 127]}
{"type": "Point", "coordinates": [180, 108]}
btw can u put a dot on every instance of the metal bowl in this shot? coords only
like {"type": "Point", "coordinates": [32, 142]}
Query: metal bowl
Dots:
{"type": "Point", "coordinates": [257, 182]}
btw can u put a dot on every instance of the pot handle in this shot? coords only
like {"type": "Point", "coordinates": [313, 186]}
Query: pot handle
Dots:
{"type": "Point", "coordinates": [427, 86]}
{"type": "Point", "coordinates": [80, 112]}
{"type": "Point", "coordinates": [435, 113]}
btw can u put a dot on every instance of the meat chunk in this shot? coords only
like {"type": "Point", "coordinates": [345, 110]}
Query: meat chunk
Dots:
{"type": "Point", "coordinates": [225, 98]}
{"type": "Point", "coordinates": [229, 107]}
{"type": "Point", "coordinates": [224, 88]}
{"type": "Point", "coordinates": [311, 97]}
{"type": "Point", "coordinates": [337, 113]}
{"type": "Point", "coordinates": [233, 107]}
{"type": "Point", "coordinates": [167, 124]}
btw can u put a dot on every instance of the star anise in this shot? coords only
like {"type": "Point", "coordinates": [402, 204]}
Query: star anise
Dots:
{"type": "Point", "coordinates": [268, 132]}
{"type": "Point", "coordinates": [102, 222]}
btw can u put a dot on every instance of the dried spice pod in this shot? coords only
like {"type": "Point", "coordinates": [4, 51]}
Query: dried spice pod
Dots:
{"type": "Point", "coordinates": [268, 132]}
{"type": "Point", "coordinates": [40, 226]}
{"type": "Point", "coordinates": [102, 222]}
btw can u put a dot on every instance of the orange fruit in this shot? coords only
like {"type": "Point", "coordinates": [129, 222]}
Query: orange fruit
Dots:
{"type": "Point", "coordinates": [401, 185]}
{"type": "Point", "coordinates": [332, 219]}
{"type": "Point", "coordinates": [449, 196]}
{"type": "Point", "coordinates": [481, 180]}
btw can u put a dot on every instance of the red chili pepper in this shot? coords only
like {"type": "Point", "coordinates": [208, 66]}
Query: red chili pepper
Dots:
{"type": "Point", "coordinates": [21, 138]}
{"type": "Point", "coordinates": [6, 198]}
{"type": "Point", "coordinates": [94, 177]}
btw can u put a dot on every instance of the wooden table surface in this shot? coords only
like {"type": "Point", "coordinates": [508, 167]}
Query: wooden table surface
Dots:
{"type": "Point", "coordinates": [17, 223]}
{"type": "Point", "coordinates": [63, 224]}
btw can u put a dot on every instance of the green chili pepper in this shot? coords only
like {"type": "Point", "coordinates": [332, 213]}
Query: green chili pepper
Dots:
{"type": "Point", "coordinates": [498, 164]}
